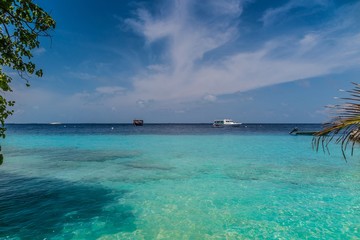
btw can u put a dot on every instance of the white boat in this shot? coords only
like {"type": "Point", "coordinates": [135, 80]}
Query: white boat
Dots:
{"type": "Point", "coordinates": [55, 123]}
{"type": "Point", "coordinates": [226, 123]}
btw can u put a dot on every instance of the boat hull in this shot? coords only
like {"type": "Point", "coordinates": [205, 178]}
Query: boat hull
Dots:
{"type": "Point", "coordinates": [138, 122]}
{"type": "Point", "coordinates": [227, 125]}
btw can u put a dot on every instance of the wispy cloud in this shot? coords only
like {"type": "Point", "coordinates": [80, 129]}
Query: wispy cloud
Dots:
{"type": "Point", "coordinates": [83, 75]}
{"type": "Point", "coordinates": [186, 74]}
{"type": "Point", "coordinates": [210, 98]}
{"type": "Point", "coordinates": [110, 90]}
{"type": "Point", "coordinates": [39, 51]}
{"type": "Point", "coordinates": [280, 13]}
{"type": "Point", "coordinates": [188, 37]}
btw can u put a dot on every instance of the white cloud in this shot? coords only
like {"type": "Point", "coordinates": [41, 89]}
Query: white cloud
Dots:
{"type": "Point", "coordinates": [187, 75]}
{"type": "Point", "coordinates": [189, 38]}
{"type": "Point", "coordinates": [210, 98]}
{"type": "Point", "coordinates": [308, 42]}
{"type": "Point", "coordinates": [110, 90]}
{"type": "Point", "coordinates": [39, 51]}
{"type": "Point", "coordinates": [157, 68]}
{"type": "Point", "coordinates": [143, 103]}
{"type": "Point", "coordinates": [83, 75]}
{"type": "Point", "coordinates": [275, 14]}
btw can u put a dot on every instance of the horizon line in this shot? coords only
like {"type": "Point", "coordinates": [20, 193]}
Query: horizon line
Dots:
{"type": "Point", "coordinates": [148, 123]}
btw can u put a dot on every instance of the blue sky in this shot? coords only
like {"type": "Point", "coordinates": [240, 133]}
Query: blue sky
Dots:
{"type": "Point", "coordinates": [192, 61]}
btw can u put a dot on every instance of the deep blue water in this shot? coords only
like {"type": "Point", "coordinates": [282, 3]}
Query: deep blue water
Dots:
{"type": "Point", "coordinates": [157, 129]}
{"type": "Point", "coordinates": [175, 181]}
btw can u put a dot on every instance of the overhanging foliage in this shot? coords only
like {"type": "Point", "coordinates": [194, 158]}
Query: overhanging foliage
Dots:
{"type": "Point", "coordinates": [22, 22]}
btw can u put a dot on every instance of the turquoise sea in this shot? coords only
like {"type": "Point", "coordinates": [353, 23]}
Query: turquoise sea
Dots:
{"type": "Point", "coordinates": [175, 181]}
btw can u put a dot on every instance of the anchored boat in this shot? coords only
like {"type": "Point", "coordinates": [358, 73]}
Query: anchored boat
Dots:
{"type": "Point", "coordinates": [226, 123]}
{"type": "Point", "coordinates": [138, 122]}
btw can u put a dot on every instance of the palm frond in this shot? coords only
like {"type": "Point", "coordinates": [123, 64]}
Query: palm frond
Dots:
{"type": "Point", "coordinates": [344, 128]}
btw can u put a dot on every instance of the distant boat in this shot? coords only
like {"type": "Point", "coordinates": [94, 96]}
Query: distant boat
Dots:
{"type": "Point", "coordinates": [226, 123]}
{"type": "Point", "coordinates": [55, 123]}
{"type": "Point", "coordinates": [296, 131]}
{"type": "Point", "coordinates": [138, 122]}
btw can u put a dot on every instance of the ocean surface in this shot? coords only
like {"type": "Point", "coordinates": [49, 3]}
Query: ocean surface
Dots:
{"type": "Point", "coordinates": [175, 181]}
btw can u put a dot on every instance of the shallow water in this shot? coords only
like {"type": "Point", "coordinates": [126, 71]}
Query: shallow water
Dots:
{"type": "Point", "coordinates": [174, 182]}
